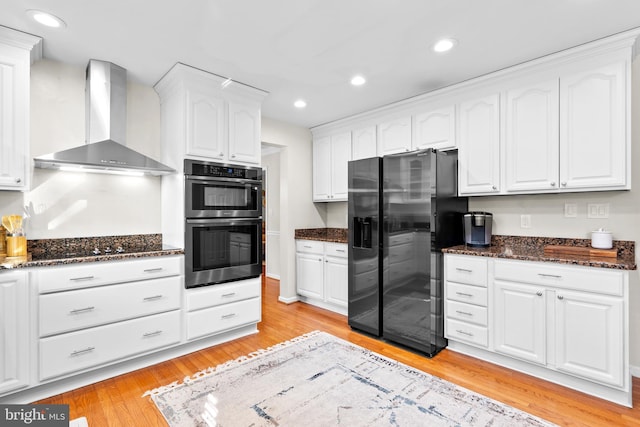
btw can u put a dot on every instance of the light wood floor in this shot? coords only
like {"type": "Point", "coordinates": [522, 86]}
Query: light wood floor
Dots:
{"type": "Point", "coordinates": [118, 401]}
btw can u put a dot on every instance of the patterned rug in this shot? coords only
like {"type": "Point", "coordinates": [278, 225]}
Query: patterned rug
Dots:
{"type": "Point", "coordinates": [320, 380]}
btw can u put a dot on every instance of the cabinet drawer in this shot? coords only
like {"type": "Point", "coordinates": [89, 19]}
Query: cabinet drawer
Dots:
{"type": "Point", "coordinates": [79, 309]}
{"type": "Point", "coordinates": [75, 351]}
{"type": "Point", "coordinates": [222, 318]}
{"type": "Point", "coordinates": [401, 253]}
{"type": "Point", "coordinates": [466, 312]}
{"type": "Point", "coordinates": [210, 296]}
{"type": "Point", "coordinates": [399, 239]}
{"type": "Point", "coordinates": [468, 294]}
{"type": "Point", "coordinates": [336, 249]}
{"type": "Point", "coordinates": [310, 246]}
{"type": "Point", "coordinates": [462, 331]}
{"type": "Point", "coordinates": [365, 265]}
{"type": "Point", "coordinates": [53, 279]}
{"type": "Point", "coordinates": [470, 270]}
{"type": "Point", "coordinates": [600, 280]}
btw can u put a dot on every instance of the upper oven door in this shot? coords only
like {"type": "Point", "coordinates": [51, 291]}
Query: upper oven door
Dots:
{"type": "Point", "coordinates": [222, 198]}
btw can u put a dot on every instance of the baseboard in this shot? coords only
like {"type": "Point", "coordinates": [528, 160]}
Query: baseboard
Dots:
{"type": "Point", "coordinates": [635, 371]}
{"type": "Point", "coordinates": [273, 276]}
{"type": "Point", "coordinates": [290, 300]}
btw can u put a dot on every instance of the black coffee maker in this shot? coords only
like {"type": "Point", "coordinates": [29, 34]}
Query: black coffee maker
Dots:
{"type": "Point", "coordinates": [477, 228]}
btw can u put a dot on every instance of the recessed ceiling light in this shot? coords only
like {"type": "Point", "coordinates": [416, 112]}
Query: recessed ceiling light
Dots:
{"type": "Point", "coordinates": [358, 80]}
{"type": "Point", "coordinates": [444, 45]}
{"type": "Point", "coordinates": [46, 19]}
{"type": "Point", "coordinates": [300, 103]}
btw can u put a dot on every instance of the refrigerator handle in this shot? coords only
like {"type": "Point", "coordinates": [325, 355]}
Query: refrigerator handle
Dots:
{"type": "Point", "coordinates": [366, 232]}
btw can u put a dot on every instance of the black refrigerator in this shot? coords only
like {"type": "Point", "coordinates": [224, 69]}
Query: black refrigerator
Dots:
{"type": "Point", "coordinates": [403, 209]}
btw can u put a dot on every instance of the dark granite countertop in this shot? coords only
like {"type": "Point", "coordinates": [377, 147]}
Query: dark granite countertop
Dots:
{"type": "Point", "coordinates": [335, 235]}
{"type": "Point", "coordinates": [50, 252]}
{"type": "Point", "coordinates": [532, 249]}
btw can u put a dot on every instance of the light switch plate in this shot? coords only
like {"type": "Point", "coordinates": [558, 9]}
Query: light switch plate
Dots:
{"type": "Point", "coordinates": [570, 210]}
{"type": "Point", "coordinates": [525, 221]}
{"type": "Point", "coordinates": [598, 210]}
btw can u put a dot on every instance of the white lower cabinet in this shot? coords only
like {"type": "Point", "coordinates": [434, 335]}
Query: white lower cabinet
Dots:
{"type": "Point", "coordinates": [567, 324]}
{"type": "Point", "coordinates": [15, 317]}
{"type": "Point", "coordinates": [321, 274]}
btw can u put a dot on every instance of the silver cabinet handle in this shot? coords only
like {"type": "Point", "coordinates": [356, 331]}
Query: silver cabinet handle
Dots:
{"type": "Point", "coordinates": [553, 184]}
{"type": "Point", "coordinates": [228, 316]}
{"type": "Point", "coordinates": [307, 246]}
{"type": "Point", "coordinates": [466, 270]}
{"type": "Point", "coordinates": [153, 298]}
{"type": "Point", "coordinates": [82, 310]}
{"type": "Point", "coordinates": [230, 294]}
{"type": "Point", "coordinates": [464, 294]}
{"type": "Point", "coordinates": [493, 187]}
{"type": "Point", "coordinates": [560, 297]}
{"type": "Point", "coordinates": [464, 312]}
{"type": "Point", "coordinates": [153, 270]}
{"type": "Point", "coordinates": [539, 293]}
{"type": "Point", "coordinates": [81, 352]}
{"type": "Point", "coordinates": [75, 279]}
{"type": "Point", "coordinates": [233, 156]}
{"type": "Point", "coordinates": [564, 184]}
{"type": "Point", "coordinates": [553, 276]}
{"type": "Point", "coordinates": [339, 250]}
{"type": "Point", "coordinates": [320, 259]}
{"type": "Point", "coordinates": [151, 334]}
{"type": "Point", "coordinates": [18, 180]}
{"type": "Point", "coordinates": [469, 334]}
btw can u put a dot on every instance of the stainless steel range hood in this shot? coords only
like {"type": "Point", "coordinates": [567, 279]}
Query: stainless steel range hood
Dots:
{"type": "Point", "coordinates": [106, 113]}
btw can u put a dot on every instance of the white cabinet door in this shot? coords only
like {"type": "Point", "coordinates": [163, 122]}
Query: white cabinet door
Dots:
{"type": "Point", "coordinates": [435, 129]}
{"type": "Point", "coordinates": [532, 138]}
{"type": "Point", "coordinates": [14, 118]}
{"type": "Point", "coordinates": [309, 275]}
{"type": "Point", "coordinates": [589, 336]}
{"type": "Point", "coordinates": [205, 125]}
{"type": "Point", "coordinates": [520, 327]}
{"type": "Point", "coordinates": [363, 143]}
{"type": "Point", "coordinates": [394, 136]}
{"type": "Point", "coordinates": [244, 132]}
{"type": "Point", "coordinates": [340, 156]}
{"type": "Point", "coordinates": [14, 331]}
{"type": "Point", "coordinates": [322, 169]}
{"type": "Point", "coordinates": [335, 279]}
{"type": "Point", "coordinates": [479, 155]}
{"type": "Point", "coordinates": [593, 137]}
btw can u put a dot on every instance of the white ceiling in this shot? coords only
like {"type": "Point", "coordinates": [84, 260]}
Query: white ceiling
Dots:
{"type": "Point", "coordinates": [311, 48]}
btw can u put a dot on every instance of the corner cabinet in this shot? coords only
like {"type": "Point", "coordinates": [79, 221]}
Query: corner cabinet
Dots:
{"type": "Point", "coordinates": [17, 52]}
{"type": "Point", "coordinates": [208, 117]}
{"type": "Point", "coordinates": [15, 318]}
{"type": "Point", "coordinates": [331, 155]}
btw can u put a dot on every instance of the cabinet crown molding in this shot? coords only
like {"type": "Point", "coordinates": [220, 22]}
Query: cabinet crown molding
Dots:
{"type": "Point", "coordinates": [22, 40]}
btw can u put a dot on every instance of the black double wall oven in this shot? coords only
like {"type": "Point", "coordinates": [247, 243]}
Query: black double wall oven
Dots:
{"type": "Point", "coordinates": [223, 223]}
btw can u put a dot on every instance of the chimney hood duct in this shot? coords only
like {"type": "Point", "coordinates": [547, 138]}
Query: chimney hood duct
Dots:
{"type": "Point", "coordinates": [106, 113]}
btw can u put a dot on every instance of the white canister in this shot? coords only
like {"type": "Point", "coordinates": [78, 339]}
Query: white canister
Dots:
{"type": "Point", "coordinates": [601, 239]}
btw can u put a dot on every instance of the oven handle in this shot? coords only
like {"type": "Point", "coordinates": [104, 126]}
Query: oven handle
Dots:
{"type": "Point", "coordinates": [225, 221]}
{"type": "Point", "coordinates": [211, 179]}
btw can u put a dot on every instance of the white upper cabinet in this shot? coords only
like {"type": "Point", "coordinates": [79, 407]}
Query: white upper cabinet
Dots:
{"type": "Point", "coordinates": [531, 137]}
{"type": "Point", "coordinates": [594, 146]}
{"type": "Point", "coordinates": [17, 52]}
{"type": "Point", "coordinates": [434, 129]}
{"type": "Point", "coordinates": [394, 136]}
{"type": "Point", "coordinates": [479, 146]}
{"type": "Point", "coordinates": [363, 143]}
{"type": "Point", "coordinates": [206, 118]}
{"type": "Point", "coordinates": [331, 155]}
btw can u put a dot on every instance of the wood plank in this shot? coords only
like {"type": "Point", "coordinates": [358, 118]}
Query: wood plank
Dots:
{"type": "Point", "coordinates": [589, 252]}
{"type": "Point", "coordinates": [102, 403]}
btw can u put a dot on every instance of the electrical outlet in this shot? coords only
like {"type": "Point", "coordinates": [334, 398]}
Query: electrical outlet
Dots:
{"type": "Point", "coordinates": [598, 210]}
{"type": "Point", "coordinates": [525, 221]}
{"type": "Point", "coordinates": [570, 210]}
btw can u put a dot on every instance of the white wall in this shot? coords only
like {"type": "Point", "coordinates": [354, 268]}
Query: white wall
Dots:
{"type": "Point", "coordinates": [68, 204]}
{"type": "Point", "coordinates": [296, 208]}
{"type": "Point", "coordinates": [271, 165]}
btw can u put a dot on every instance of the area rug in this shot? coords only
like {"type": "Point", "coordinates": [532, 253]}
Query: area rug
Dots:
{"type": "Point", "coordinates": [320, 380]}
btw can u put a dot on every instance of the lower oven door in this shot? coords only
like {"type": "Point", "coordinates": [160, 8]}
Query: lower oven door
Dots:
{"type": "Point", "coordinates": [222, 250]}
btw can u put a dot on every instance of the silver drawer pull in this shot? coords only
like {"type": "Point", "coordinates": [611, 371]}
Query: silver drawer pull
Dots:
{"type": "Point", "coordinates": [553, 276]}
{"type": "Point", "coordinates": [464, 312]}
{"type": "Point", "coordinates": [469, 334]}
{"type": "Point", "coordinates": [81, 352]}
{"type": "Point", "coordinates": [307, 246]}
{"type": "Point", "coordinates": [151, 334]}
{"type": "Point", "coordinates": [466, 270]}
{"type": "Point", "coordinates": [82, 310]}
{"type": "Point", "coordinates": [463, 294]}
{"type": "Point", "coordinates": [153, 270]}
{"type": "Point", "coordinates": [339, 250]}
{"type": "Point", "coordinates": [153, 298]}
{"type": "Point", "coordinates": [75, 279]}
{"type": "Point", "coordinates": [230, 294]}
{"type": "Point", "coordinates": [228, 316]}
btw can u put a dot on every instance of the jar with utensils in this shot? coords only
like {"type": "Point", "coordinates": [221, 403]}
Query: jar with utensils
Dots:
{"type": "Point", "coordinates": [16, 241]}
{"type": "Point", "coordinates": [3, 241]}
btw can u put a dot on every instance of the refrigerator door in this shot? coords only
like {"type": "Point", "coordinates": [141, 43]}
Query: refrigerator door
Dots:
{"type": "Point", "coordinates": [408, 258]}
{"type": "Point", "coordinates": [364, 245]}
